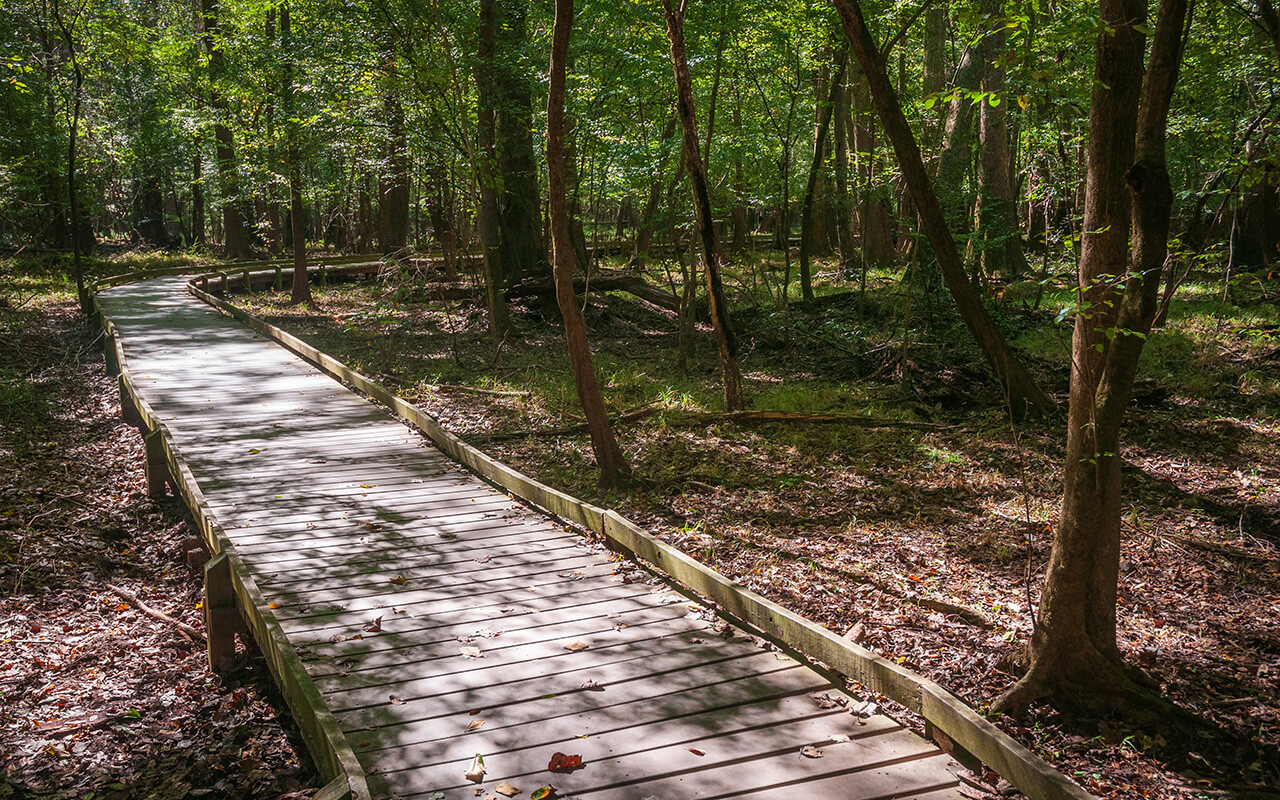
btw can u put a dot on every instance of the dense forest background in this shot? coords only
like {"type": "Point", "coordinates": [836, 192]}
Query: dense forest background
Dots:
{"type": "Point", "coordinates": [833, 279]}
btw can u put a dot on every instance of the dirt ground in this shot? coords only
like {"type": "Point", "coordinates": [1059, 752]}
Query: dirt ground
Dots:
{"type": "Point", "coordinates": [925, 537]}
{"type": "Point", "coordinates": [98, 700]}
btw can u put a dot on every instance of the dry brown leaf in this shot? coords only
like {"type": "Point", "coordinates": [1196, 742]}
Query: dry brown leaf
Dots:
{"type": "Point", "coordinates": [576, 646]}
{"type": "Point", "coordinates": [506, 790]}
{"type": "Point", "coordinates": [697, 752]}
{"type": "Point", "coordinates": [809, 751]}
{"type": "Point", "coordinates": [562, 762]}
{"type": "Point", "coordinates": [475, 773]}
{"type": "Point", "coordinates": [375, 626]}
{"type": "Point", "coordinates": [395, 701]}
{"type": "Point", "coordinates": [399, 580]}
{"type": "Point", "coordinates": [474, 725]}
{"type": "Point", "coordinates": [472, 652]}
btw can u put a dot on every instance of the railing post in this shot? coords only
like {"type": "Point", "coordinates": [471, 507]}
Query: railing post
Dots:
{"type": "Point", "coordinates": [279, 279]}
{"type": "Point", "coordinates": [128, 408]}
{"type": "Point", "coordinates": [248, 282]}
{"type": "Point", "coordinates": [157, 467]}
{"type": "Point", "coordinates": [109, 354]}
{"type": "Point", "coordinates": [221, 617]}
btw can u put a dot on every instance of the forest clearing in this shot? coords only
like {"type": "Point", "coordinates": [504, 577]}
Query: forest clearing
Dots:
{"type": "Point", "coordinates": [950, 327]}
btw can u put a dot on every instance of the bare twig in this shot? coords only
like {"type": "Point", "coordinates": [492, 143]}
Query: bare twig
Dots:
{"type": "Point", "coordinates": [186, 630]}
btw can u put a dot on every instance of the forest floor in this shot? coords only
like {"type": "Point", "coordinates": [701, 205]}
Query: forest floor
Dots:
{"type": "Point", "coordinates": [927, 545]}
{"type": "Point", "coordinates": [97, 699]}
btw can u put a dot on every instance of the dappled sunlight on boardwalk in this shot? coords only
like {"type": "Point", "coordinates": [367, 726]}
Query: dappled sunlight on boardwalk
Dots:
{"type": "Point", "coordinates": [441, 619]}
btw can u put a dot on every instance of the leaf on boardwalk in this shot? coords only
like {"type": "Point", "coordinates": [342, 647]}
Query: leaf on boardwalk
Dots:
{"type": "Point", "coordinates": [562, 762]}
{"type": "Point", "coordinates": [839, 738]}
{"type": "Point", "coordinates": [576, 646]}
{"type": "Point", "coordinates": [254, 451]}
{"type": "Point", "coordinates": [825, 700]}
{"type": "Point", "coordinates": [506, 790]}
{"type": "Point", "coordinates": [544, 793]}
{"type": "Point", "coordinates": [366, 486]}
{"type": "Point", "coordinates": [375, 626]}
{"type": "Point", "coordinates": [591, 686]}
{"type": "Point", "coordinates": [474, 725]}
{"type": "Point", "coordinates": [472, 652]}
{"type": "Point", "coordinates": [395, 700]}
{"type": "Point", "coordinates": [337, 637]}
{"type": "Point", "coordinates": [475, 772]}
{"type": "Point", "coordinates": [399, 580]}
{"type": "Point", "coordinates": [697, 752]}
{"type": "Point", "coordinates": [809, 751]}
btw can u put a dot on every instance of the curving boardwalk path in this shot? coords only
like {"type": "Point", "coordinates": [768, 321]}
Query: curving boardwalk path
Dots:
{"type": "Point", "coordinates": [440, 618]}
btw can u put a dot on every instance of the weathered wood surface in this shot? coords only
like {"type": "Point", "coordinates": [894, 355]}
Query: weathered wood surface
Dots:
{"type": "Point", "coordinates": [385, 563]}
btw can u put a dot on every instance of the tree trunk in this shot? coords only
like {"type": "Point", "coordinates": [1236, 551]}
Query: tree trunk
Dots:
{"type": "Point", "coordinates": [818, 237]}
{"type": "Point", "coordinates": [644, 235]}
{"type": "Point", "coordinates": [235, 238]}
{"type": "Point", "coordinates": [197, 198]}
{"type": "Point", "coordinates": [1073, 650]}
{"type": "Point", "coordinates": [1000, 240]}
{"type": "Point", "coordinates": [935, 45]}
{"type": "Point", "coordinates": [393, 186]}
{"type": "Point", "coordinates": [520, 209]}
{"type": "Point", "coordinates": [297, 221]}
{"type": "Point", "coordinates": [490, 228]}
{"type": "Point", "coordinates": [613, 466]}
{"type": "Point", "coordinates": [73, 137]}
{"type": "Point", "coordinates": [957, 144]}
{"type": "Point", "coordinates": [849, 256]}
{"type": "Point", "coordinates": [1021, 392]}
{"type": "Point", "coordinates": [720, 321]}
{"type": "Point", "coordinates": [807, 234]}
{"type": "Point", "coordinates": [740, 231]}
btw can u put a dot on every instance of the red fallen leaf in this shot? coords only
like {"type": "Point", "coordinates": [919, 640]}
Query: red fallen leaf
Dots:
{"type": "Point", "coordinates": [564, 763]}
{"type": "Point", "coordinates": [697, 752]}
{"type": "Point", "coordinates": [375, 626]}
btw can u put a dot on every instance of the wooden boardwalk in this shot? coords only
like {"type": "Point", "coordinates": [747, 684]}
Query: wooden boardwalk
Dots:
{"type": "Point", "coordinates": [441, 619]}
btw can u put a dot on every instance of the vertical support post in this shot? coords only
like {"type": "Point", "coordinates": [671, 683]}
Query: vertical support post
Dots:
{"type": "Point", "coordinates": [279, 279]}
{"type": "Point", "coordinates": [226, 285]}
{"type": "Point", "coordinates": [157, 467]}
{"type": "Point", "coordinates": [204, 284]}
{"type": "Point", "coordinates": [324, 279]}
{"type": "Point", "coordinates": [128, 409]}
{"type": "Point", "coordinates": [221, 617]}
{"type": "Point", "coordinates": [248, 282]}
{"type": "Point", "coordinates": [109, 354]}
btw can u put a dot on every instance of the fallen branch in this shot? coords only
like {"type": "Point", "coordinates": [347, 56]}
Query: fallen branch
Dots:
{"type": "Point", "coordinates": [1232, 552]}
{"type": "Point", "coordinates": [767, 417]}
{"type": "Point", "coordinates": [568, 430]}
{"type": "Point", "coordinates": [601, 282]}
{"type": "Point", "coordinates": [186, 630]}
{"type": "Point", "coordinates": [448, 387]}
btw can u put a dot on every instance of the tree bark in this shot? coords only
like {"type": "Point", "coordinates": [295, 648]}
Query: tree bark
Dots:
{"type": "Point", "coordinates": [644, 235]}
{"type": "Point", "coordinates": [297, 220]}
{"type": "Point", "coordinates": [73, 140]}
{"type": "Point", "coordinates": [1000, 239]}
{"type": "Point", "coordinates": [488, 222]}
{"type": "Point", "coordinates": [520, 208]}
{"type": "Point", "coordinates": [849, 256]}
{"type": "Point", "coordinates": [957, 144]}
{"type": "Point", "coordinates": [1021, 392]}
{"type": "Point", "coordinates": [393, 186]}
{"type": "Point", "coordinates": [1074, 655]}
{"type": "Point", "coordinates": [613, 466]}
{"type": "Point", "coordinates": [235, 238]}
{"type": "Point", "coordinates": [730, 372]}
{"type": "Point", "coordinates": [807, 233]}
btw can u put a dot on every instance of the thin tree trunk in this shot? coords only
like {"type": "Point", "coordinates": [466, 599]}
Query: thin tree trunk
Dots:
{"type": "Point", "coordinates": [73, 137]}
{"type": "Point", "coordinates": [297, 221]}
{"type": "Point", "coordinates": [844, 218]}
{"type": "Point", "coordinates": [730, 372]}
{"type": "Point", "coordinates": [644, 235]}
{"type": "Point", "coordinates": [393, 188]}
{"type": "Point", "coordinates": [1074, 653]}
{"type": "Point", "coordinates": [235, 241]}
{"type": "Point", "coordinates": [957, 143]}
{"type": "Point", "coordinates": [1021, 391]}
{"type": "Point", "coordinates": [613, 466]}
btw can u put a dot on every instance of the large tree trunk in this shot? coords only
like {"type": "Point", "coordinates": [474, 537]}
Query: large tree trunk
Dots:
{"type": "Point", "coordinates": [807, 227]}
{"type": "Point", "coordinates": [819, 239]}
{"type": "Point", "coordinates": [935, 46]}
{"type": "Point", "coordinates": [957, 144]}
{"type": "Point", "coordinates": [730, 372]}
{"type": "Point", "coordinates": [393, 186]}
{"type": "Point", "coordinates": [873, 216]}
{"type": "Point", "coordinates": [520, 209]}
{"type": "Point", "coordinates": [235, 236]}
{"type": "Point", "coordinates": [488, 222]}
{"type": "Point", "coordinates": [1074, 653]}
{"type": "Point", "coordinates": [613, 466]}
{"type": "Point", "coordinates": [1000, 240]}
{"type": "Point", "coordinates": [1021, 392]}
